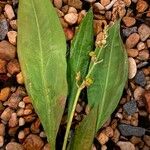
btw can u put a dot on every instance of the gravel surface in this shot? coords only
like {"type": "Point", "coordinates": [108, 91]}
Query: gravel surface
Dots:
{"type": "Point", "coordinates": [129, 126]}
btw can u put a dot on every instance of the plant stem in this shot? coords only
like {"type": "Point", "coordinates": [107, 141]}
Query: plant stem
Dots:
{"type": "Point", "coordinates": [71, 118]}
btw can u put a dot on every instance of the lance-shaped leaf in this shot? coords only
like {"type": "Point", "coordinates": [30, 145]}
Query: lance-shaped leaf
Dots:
{"type": "Point", "coordinates": [41, 51]}
{"type": "Point", "coordinates": [109, 76]}
{"type": "Point", "coordinates": [78, 60]}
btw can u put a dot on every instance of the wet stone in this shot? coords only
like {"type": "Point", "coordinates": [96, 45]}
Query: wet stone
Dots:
{"type": "Point", "coordinates": [140, 78]}
{"type": "Point", "coordinates": [3, 28]}
{"type": "Point", "coordinates": [128, 130]}
{"type": "Point", "coordinates": [128, 31]}
{"type": "Point", "coordinates": [130, 107]}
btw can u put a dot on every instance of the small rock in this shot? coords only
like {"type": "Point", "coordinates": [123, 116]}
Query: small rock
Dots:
{"type": "Point", "coordinates": [27, 112]}
{"type": "Point", "coordinates": [75, 3]}
{"type": "Point", "coordinates": [135, 140]}
{"type": "Point", "coordinates": [98, 7]}
{"type": "Point", "coordinates": [138, 92]}
{"type": "Point", "coordinates": [58, 3]}
{"type": "Point", "coordinates": [145, 147]}
{"type": "Point", "coordinates": [46, 147]}
{"type": "Point", "coordinates": [2, 129]}
{"type": "Point", "coordinates": [72, 10]}
{"type": "Point", "coordinates": [6, 114]}
{"type": "Point", "coordinates": [132, 40]}
{"type": "Point", "coordinates": [130, 107]}
{"type": "Point", "coordinates": [143, 55]}
{"type": "Point", "coordinates": [147, 100]}
{"type": "Point", "coordinates": [79, 108]}
{"type": "Point", "coordinates": [141, 45]}
{"type": "Point", "coordinates": [102, 138]}
{"type": "Point", "coordinates": [116, 136]}
{"type": "Point", "coordinates": [148, 43]}
{"type": "Point", "coordinates": [13, 24]}
{"type": "Point", "coordinates": [104, 2]}
{"type": "Point", "coordinates": [132, 52]}
{"type": "Point", "coordinates": [108, 15]}
{"type": "Point", "coordinates": [19, 78]}
{"type": "Point", "coordinates": [14, 146]}
{"type": "Point", "coordinates": [144, 32]}
{"type": "Point", "coordinates": [99, 26]}
{"type": "Point", "coordinates": [141, 6]}
{"type": "Point", "coordinates": [12, 131]}
{"type": "Point", "coordinates": [128, 21]}
{"type": "Point", "coordinates": [2, 66]}
{"type": "Point", "coordinates": [3, 28]}
{"type": "Point", "coordinates": [21, 121]}
{"type": "Point", "coordinates": [27, 100]}
{"type": "Point", "coordinates": [140, 78]}
{"type": "Point", "coordinates": [128, 130]}
{"type": "Point", "coordinates": [42, 134]}
{"type": "Point", "coordinates": [9, 11]}
{"type": "Point", "coordinates": [126, 145]}
{"type": "Point", "coordinates": [21, 104]}
{"type": "Point", "coordinates": [109, 132]}
{"type": "Point", "coordinates": [7, 50]}
{"type": "Point", "coordinates": [71, 18]}
{"type": "Point", "coordinates": [127, 2]}
{"type": "Point", "coordinates": [33, 142]}
{"type": "Point", "coordinates": [13, 66]}
{"type": "Point", "coordinates": [1, 141]}
{"type": "Point", "coordinates": [128, 31]}
{"type": "Point", "coordinates": [12, 37]}
{"type": "Point", "coordinates": [21, 135]}
{"type": "Point", "coordinates": [132, 68]}
{"type": "Point", "coordinates": [13, 121]}
{"type": "Point", "coordinates": [68, 33]}
{"type": "Point", "coordinates": [4, 94]}
{"type": "Point", "coordinates": [147, 140]}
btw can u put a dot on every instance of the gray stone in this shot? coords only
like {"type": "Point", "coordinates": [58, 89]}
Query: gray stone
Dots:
{"type": "Point", "coordinates": [3, 29]}
{"type": "Point", "coordinates": [128, 31]}
{"type": "Point", "coordinates": [130, 107]}
{"type": "Point", "coordinates": [140, 78]}
{"type": "Point", "coordinates": [128, 130]}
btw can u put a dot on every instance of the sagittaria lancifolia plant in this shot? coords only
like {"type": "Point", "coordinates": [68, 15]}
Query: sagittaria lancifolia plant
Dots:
{"type": "Point", "coordinates": [51, 78]}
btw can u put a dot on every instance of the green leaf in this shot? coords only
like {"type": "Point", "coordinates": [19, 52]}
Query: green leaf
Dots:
{"type": "Point", "coordinates": [84, 133]}
{"type": "Point", "coordinates": [42, 55]}
{"type": "Point", "coordinates": [109, 76]}
{"type": "Point", "coordinates": [79, 59]}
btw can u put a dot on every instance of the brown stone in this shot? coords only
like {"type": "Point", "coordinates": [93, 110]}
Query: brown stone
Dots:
{"type": "Point", "coordinates": [2, 66]}
{"type": "Point", "coordinates": [127, 2]}
{"type": "Point", "coordinates": [147, 100]}
{"type": "Point", "coordinates": [13, 121]}
{"type": "Point", "coordinates": [104, 2]}
{"type": "Point", "coordinates": [7, 50]}
{"type": "Point", "coordinates": [9, 11]}
{"type": "Point", "coordinates": [4, 94]}
{"type": "Point", "coordinates": [148, 43]}
{"type": "Point", "coordinates": [102, 138]}
{"type": "Point", "coordinates": [58, 3]}
{"type": "Point", "coordinates": [33, 142]}
{"type": "Point", "coordinates": [14, 146]}
{"type": "Point", "coordinates": [13, 24]}
{"type": "Point", "coordinates": [99, 26]}
{"type": "Point", "coordinates": [132, 40]}
{"type": "Point", "coordinates": [2, 129]}
{"type": "Point", "coordinates": [6, 114]}
{"type": "Point", "coordinates": [13, 66]}
{"type": "Point", "coordinates": [75, 3]}
{"type": "Point", "coordinates": [46, 147]}
{"type": "Point", "coordinates": [128, 21]}
{"type": "Point", "coordinates": [12, 37]}
{"type": "Point", "coordinates": [141, 6]}
{"type": "Point", "coordinates": [144, 32]}
{"type": "Point", "coordinates": [69, 33]}
{"type": "Point", "coordinates": [143, 55]}
{"type": "Point", "coordinates": [132, 52]}
{"type": "Point", "coordinates": [71, 18]}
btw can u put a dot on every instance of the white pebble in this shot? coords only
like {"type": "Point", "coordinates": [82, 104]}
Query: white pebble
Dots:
{"type": "Point", "coordinates": [71, 18]}
{"type": "Point", "coordinates": [21, 121]}
{"type": "Point", "coordinates": [132, 68]}
{"type": "Point", "coordinates": [21, 104]}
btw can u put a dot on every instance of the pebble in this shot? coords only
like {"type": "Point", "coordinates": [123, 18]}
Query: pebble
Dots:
{"type": "Point", "coordinates": [110, 5]}
{"type": "Point", "coordinates": [14, 146]}
{"type": "Point", "coordinates": [148, 43]}
{"type": "Point", "coordinates": [69, 33]}
{"type": "Point", "coordinates": [12, 37]}
{"type": "Point", "coordinates": [132, 40]}
{"type": "Point", "coordinates": [130, 107]}
{"type": "Point", "coordinates": [13, 24]}
{"type": "Point", "coordinates": [2, 66]}
{"type": "Point", "coordinates": [147, 100]}
{"type": "Point", "coordinates": [132, 52]}
{"type": "Point", "coordinates": [98, 7]}
{"type": "Point", "coordinates": [2, 129]}
{"type": "Point", "coordinates": [19, 78]}
{"type": "Point", "coordinates": [71, 18]}
{"type": "Point", "coordinates": [146, 139]}
{"type": "Point", "coordinates": [9, 11]}
{"type": "Point", "coordinates": [128, 130]}
{"type": "Point", "coordinates": [127, 2]}
{"type": "Point", "coordinates": [132, 68]}
{"type": "Point", "coordinates": [21, 135]}
{"type": "Point", "coordinates": [1, 141]}
{"type": "Point", "coordinates": [128, 21]}
{"type": "Point", "coordinates": [138, 92]}
{"type": "Point", "coordinates": [135, 140]}
{"type": "Point", "coordinates": [144, 32]}
{"type": "Point", "coordinates": [13, 67]}
{"type": "Point", "coordinates": [140, 78]}
{"type": "Point", "coordinates": [104, 2]}
{"type": "Point", "coordinates": [27, 100]}
{"type": "Point", "coordinates": [75, 3]}
{"type": "Point", "coordinates": [79, 108]}
{"type": "Point", "coordinates": [21, 104]}
{"type": "Point", "coordinates": [6, 114]}
{"type": "Point", "coordinates": [141, 46]}
{"type": "Point", "coordinates": [46, 147]}
{"type": "Point", "coordinates": [58, 3]}
{"type": "Point", "coordinates": [116, 136]}
{"type": "Point", "coordinates": [109, 132]}
{"type": "Point", "coordinates": [127, 31]}
{"type": "Point", "coordinates": [3, 28]}
{"type": "Point", "coordinates": [102, 138]}
{"type": "Point", "coordinates": [4, 94]}
{"type": "Point", "coordinates": [72, 10]}
{"type": "Point", "coordinates": [7, 50]}
{"type": "Point", "coordinates": [141, 6]}
{"type": "Point", "coordinates": [143, 55]}
{"type": "Point", "coordinates": [125, 145]}
{"type": "Point", "coordinates": [33, 142]}
{"type": "Point", "coordinates": [21, 121]}
{"type": "Point", "coordinates": [13, 121]}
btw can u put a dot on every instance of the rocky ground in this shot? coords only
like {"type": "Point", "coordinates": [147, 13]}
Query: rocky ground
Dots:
{"type": "Point", "coordinates": [129, 126]}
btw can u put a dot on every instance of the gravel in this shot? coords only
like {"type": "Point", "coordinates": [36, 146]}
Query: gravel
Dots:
{"type": "Point", "coordinates": [140, 78]}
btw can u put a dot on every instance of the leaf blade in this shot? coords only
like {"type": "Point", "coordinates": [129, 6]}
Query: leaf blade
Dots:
{"type": "Point", "coordinates": [38, 52]}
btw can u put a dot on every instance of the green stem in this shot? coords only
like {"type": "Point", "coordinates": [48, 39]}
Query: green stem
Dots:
{"type": "Point", "coordinates": [71, 118]}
